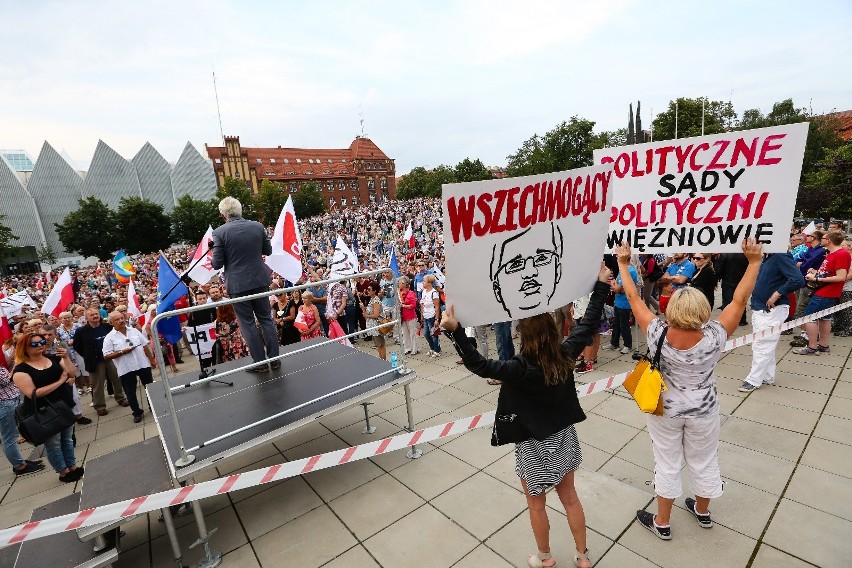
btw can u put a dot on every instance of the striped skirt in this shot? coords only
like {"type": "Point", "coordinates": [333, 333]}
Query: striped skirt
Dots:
{"type": "Point", "coordinates": [543, 464]}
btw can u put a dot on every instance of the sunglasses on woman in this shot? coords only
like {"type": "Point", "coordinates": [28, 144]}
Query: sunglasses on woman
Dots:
{"type": "Point", "coordinates": [41, 343]}
{"type": "Point", "coordinates": [697, 258]}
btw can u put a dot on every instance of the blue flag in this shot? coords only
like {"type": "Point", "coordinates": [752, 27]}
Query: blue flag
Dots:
{"type": "Point", "coordinates": [394, 265]}
{"type": "Point", "coordinates": [166, 278]}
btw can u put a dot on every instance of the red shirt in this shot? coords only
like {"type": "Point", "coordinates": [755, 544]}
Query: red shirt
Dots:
{"type": "Point", "coordinates": [834, 261]}
{"type": "Point", "coordinates": [410, 298]}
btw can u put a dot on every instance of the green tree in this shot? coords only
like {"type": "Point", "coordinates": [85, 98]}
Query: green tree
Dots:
{"type": "Point", "coordinates": [6, 238]}
{"type": "Point", "coordinates": [610, 139]}
{"type": "Point", "coordinates": [269, 202]}
{"type": "Point", "coordinates": [413, 184]}
{"type": "Point", "coordinates": [46, 254]}
{"type": "Point", "coordinates": [308, 201]}
{"type": "Point", "coordinates": [569, 145]}
{"type": "Point", "coordinates": [142, 226]}
{"type": "Point", "coordinates": [90, 230]}
{"type": "Point", "coordinates": [191, 217]}
{"type": "Point", "coordinates": [719, 116]}
{"type": "Point", "coordinates": [241, 191]}
{"type": "Point", "coordinates": [468, 170]}
{"type": "Point", "coordinates": [437, 177]}
{"type": "Point", "coordinates": [827, 191]}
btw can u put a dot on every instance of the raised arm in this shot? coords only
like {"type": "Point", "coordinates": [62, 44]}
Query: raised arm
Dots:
{"type": "Point", "coordinates": [730, 316]}
{"type": "Point", "coordinates": [640, 311]}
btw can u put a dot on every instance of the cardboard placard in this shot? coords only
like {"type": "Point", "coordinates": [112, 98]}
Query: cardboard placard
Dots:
{"type": "Point", "coordinates": [517, 247]}
{"type": "Point", "coordinates": [706, 193]}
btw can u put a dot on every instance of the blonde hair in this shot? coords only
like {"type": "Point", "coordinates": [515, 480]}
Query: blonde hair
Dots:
{"type": "Point", "coordinates": [688, 309]}
{"type": "Point", "coordinates": [430, 279]}
{"type": "Point", "coordinates": [307, 295]}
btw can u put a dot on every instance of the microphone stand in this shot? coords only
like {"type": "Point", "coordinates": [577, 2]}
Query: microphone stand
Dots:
{"type": "Point", "coordinates": [185, 279]}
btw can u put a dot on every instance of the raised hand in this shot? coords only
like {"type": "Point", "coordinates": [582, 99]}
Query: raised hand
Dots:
{"type": "Point", "coordinates": [752, 250]}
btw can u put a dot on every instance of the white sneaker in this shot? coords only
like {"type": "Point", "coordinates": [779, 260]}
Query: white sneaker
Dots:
{"type": "Point", "coordinates": [624, 351]}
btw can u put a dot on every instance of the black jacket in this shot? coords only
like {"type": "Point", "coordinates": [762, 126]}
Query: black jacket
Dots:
{"type": "Point", "coordinates": [89, 342]}
{"type": "Point", "coordinates": [542, 409]}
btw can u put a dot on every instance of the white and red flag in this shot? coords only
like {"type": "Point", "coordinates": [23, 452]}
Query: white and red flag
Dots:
{"type": "Point", "coordinates": [5, 334]}
{"type": "Point", "coordinates": [286, 257]}
{"type": "Point", "coordinates": [409, 236]}
{"type": "Point", "coordinates": [203, 272]}
{"type": "Point", "coordinates": [133, 305]}
{"type": "Point", "coordinates": [61, 296]}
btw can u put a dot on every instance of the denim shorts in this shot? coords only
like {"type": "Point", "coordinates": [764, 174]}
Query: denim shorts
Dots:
{"type": "Point", "coordinates": [818, 303]}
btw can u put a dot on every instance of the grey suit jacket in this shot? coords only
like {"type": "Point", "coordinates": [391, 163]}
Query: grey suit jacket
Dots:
{"type": "Point", "coordinates": [238, 246]}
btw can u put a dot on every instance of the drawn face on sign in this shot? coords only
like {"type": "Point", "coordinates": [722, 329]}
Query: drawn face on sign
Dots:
{"type": "Point", "coordinates": [525, 270]}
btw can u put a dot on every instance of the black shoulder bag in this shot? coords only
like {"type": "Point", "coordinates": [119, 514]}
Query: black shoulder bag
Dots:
{"type": "Point", "coordinates": [37, 424]}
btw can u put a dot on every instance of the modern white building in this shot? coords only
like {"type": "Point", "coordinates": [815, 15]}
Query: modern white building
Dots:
{"type": "Point", "coordinates": [35, 194]}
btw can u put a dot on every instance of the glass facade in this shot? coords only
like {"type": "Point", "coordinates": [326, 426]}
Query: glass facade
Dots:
{"type": "Point", "coordinates": [18, 159]}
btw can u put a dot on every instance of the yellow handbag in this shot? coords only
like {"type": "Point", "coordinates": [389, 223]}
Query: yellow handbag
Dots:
{"type": "Point", "coordinates": [645, 382]}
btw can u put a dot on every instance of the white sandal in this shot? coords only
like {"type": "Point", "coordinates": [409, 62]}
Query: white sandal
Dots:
{"type": "Point", "coordinates": [538, 559]}
{"type": "Point", "coordinates": [578, 557]}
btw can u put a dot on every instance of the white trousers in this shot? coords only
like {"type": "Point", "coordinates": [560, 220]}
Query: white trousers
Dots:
{"type": "Point", "coordinates": [695, 440]}
{"type": "Point", "coordinates": [763, 348]}
{"type": "Point", "coordinates": [480, 332]}
{"type": "Point", "coordinates": [409, 335]}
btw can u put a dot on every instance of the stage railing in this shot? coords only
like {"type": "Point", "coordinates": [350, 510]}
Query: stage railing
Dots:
{"type": "Point", "coordinates": [186, 458]}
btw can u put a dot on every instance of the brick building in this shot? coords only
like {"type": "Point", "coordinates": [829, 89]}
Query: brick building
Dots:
{"type": "Point", "coordinates": [356, 175]}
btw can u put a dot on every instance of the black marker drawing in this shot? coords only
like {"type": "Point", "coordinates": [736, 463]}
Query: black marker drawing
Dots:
{"type": "Point", "coordinates": [524, 273]}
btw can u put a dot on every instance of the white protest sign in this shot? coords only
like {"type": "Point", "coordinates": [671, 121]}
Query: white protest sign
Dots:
{"type": "Point", "coordinates": [517, 247]}
{"type": "Point", "coordinates": [204, 335]}
{"type": "Point", "coordinates": [706, 193]}
{"type": "Point", "coordinates": [13, 304]}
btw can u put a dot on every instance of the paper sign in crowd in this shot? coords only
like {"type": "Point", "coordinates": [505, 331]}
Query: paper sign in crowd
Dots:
{"type": "Point", "coordinates": [517, 247]}
{"type": "Point", "coordinates": [706, 193]}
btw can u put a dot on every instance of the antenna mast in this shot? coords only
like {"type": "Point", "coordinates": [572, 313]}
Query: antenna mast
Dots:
{"type": "Point", "coordinates": [218, 112]}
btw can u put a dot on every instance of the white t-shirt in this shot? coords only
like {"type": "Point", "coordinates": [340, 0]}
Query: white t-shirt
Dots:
{"type": "Point", "coordinates": [427, 303]}
{"type": "Point", "coordinates": [116, 341]}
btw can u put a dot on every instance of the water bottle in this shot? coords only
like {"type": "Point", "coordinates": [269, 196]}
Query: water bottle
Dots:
{"type": "Point", "coordinates": [393, 359]}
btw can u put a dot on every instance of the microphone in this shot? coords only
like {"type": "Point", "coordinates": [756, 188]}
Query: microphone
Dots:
{"type": "Point", "coordinates": [210, 243]}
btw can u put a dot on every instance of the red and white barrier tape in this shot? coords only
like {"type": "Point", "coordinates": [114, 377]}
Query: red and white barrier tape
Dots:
{"type": "Point", "coordinates": [235, 482]}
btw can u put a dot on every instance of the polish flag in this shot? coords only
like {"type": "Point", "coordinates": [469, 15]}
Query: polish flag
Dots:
{"type": "Point", "coordinates": [133, 305]}
{"type": "Point", "coordinates": [5, 334]}
{"type": "Point", "coordinates": [409, 236]}
{"type": "Point", "coordinates": [61, 296]}
{"type": "Point", "coordinates": [203, 272]}
{"type": "Point", "coordinates": [286, 257]}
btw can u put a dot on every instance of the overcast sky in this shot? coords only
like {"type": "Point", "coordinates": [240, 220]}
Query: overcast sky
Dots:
{"type": "Point", "coordinates": [435, 81]}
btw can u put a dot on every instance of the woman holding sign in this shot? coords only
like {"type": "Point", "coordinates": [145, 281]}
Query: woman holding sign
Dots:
{"type": "Point", "coordinates": [688, 430]}
{"type": "Point", "coordinates": [537, 409]}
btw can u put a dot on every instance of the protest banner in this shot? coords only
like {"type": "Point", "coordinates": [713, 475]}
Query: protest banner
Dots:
{"type": "Point", "coordinates": [706, 193]}
{"type": "Point", "coordinates": [203, 335]}
{"type": "Point", "coordinates": [517, 247]}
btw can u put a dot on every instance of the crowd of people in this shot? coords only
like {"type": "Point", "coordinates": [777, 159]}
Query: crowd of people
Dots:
{"type": "Point", "coordinates": [96, 347]}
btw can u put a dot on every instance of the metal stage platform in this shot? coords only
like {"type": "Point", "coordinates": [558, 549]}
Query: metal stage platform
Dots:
{"type": "Point", "coordinates": [310, 384]}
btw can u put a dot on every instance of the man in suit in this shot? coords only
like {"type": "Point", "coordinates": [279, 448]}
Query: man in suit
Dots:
{"type": "Point", "coordinates": [238, 246]}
